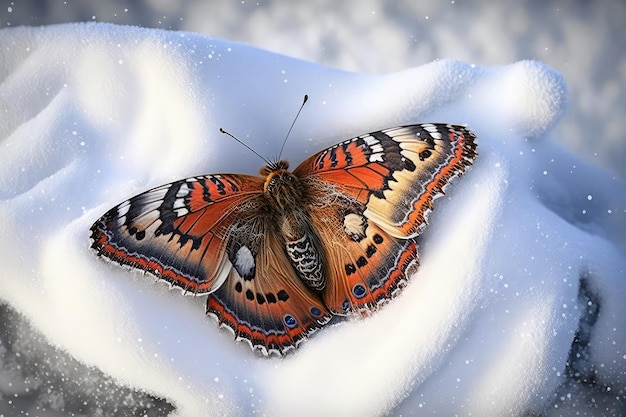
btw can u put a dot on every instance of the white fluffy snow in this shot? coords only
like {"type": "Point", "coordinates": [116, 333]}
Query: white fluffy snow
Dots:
{"type": "Point", "coordinates": [94, 113]}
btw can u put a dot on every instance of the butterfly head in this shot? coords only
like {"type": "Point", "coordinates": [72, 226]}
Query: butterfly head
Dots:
{"type": "Point", "coordinates": [273, 167]}
{"type": "Point", "coordinates": [281, 186]}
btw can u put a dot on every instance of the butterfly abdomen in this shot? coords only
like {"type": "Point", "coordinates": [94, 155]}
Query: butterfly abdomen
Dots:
{"type": "Point", "coordinates": [307, 260]}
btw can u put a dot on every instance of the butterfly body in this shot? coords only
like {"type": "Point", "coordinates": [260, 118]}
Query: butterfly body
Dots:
{"type": "Point", "coordinates": [280, 254]}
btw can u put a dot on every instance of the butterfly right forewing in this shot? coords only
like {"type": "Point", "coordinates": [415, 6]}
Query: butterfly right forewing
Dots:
{"type": "Point", "coordinates": [396, 173]}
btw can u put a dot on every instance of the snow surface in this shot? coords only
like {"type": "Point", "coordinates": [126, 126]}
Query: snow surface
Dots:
{"type": "Point", "coordinates": [524, 255]}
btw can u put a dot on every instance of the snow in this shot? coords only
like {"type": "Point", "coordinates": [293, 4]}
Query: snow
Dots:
{"type": "Point", "coordinates": [523, 255]}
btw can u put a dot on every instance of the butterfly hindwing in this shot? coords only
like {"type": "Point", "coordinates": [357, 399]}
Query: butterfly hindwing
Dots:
{"type": "Point", "coordinates": [365, 265]}
{"type": "Point", "coordinates": [271, 309]}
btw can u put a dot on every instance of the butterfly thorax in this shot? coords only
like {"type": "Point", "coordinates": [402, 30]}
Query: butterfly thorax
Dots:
{"type": "Point", "coordinates": [283, 190]}
{"type": "Point", "coordinates": [284, 193]}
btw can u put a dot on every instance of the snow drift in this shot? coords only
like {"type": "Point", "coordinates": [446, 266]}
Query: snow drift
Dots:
{"type": "Point", "coordinates": [519, 294]}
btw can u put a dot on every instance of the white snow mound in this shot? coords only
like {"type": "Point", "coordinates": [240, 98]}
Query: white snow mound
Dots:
{"type": "Point", "coordinates": [513, 257]}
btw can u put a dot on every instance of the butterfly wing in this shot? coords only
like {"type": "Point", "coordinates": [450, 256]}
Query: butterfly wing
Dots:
{"type": "Point", "coordinates": [213, 234]}
{"type": "Point", "coordinates": [177, 231]}
{"type": "Point", "coordinates": [373, 194]}
{"type": "Point", "coordinates": [365, 265]}
{"type": "Point", "coordinates": [397, 173]}
{"type": "Point", "coordinates": [273, 311]}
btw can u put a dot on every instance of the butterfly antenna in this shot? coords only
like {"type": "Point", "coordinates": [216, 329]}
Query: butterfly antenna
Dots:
{"type": "Point", "coordinates": [306, 98]}
{"type": "Point", "coordinates": [246, 145]}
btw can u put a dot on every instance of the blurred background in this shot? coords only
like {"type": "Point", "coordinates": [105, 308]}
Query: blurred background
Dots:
{"type": "Point", "coordinates": [583, 40]}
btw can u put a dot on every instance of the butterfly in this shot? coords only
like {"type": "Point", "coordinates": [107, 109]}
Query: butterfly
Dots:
{"type": "Point", "coordinates": [280, 254]}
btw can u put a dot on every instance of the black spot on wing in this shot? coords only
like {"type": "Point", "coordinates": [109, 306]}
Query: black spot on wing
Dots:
{"type": "Point", "coordinates": [221, 188]}
{"type": "Point", "coordinates": [333, 157]}
{"type": "Point", "coordinates": [348, 155]}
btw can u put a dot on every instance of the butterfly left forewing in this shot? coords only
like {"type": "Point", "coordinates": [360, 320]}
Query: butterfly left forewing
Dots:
{"type": "Point", "coordinates": [177, 231]}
